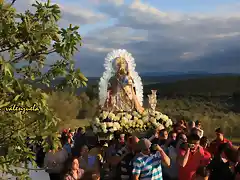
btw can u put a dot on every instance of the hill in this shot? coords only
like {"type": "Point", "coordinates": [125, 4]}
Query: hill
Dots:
{"type": "Point", "coordinates": [210, 86]}
{"type": "Point", "coordinates": [178, 85]}
{"type": "Point", "coordinates": [153, 78]}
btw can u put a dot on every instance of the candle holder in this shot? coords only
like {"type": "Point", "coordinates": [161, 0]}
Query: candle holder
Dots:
{"type": "Point", "coordinates": [152, 100]}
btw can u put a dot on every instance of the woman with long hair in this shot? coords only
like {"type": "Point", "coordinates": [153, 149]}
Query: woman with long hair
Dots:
{"type": "Point", "coordinates": [74, 172]}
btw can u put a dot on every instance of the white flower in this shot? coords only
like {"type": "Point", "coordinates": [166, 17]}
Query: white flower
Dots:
{"type": "Point", "coordinates": [124, 114]}
{"type": "Point", "coordinates": [153, 120]}
{"type": "Point", "coordinates": [145, 113]}
{"type": "Point", "coordinates": [111, 116]}
{"type": "Point", "coordinates": [117, 125]}
{"type": "Point", "coordinates": [168, 123]}
{"type": "Point", "coordinates": [109, 124]}
{"type": "Point", "coordinates": [111, 130]}
{"type": "Point", "coordinates": [116, 118]}
{"type": "Point", "coordinates": [145, 119]}
{"type": "Point", "coordinates": [158, 116]}
{"type": "Point", "coordinates": [97, 120]}
{"type": "Point", "coordinates": [164, 118]}
{"type": "Point", "coordinates": [160, 127]}
{"type": "Point", "coordinates": [130, 123]}
{"type": "Point", "coordinates": [135, 113]}
{"type": "Point", "coordinates": [104, 125]}
{"type": "Point", "coordinates": [95, 129]}
{"type": "Point", "coordinates": [135, 118]}
{"type": "Point", "coordinates": [119, 115]}
{"type": "Point", "coordinates": [124, 120]}
{"type": "Point", "coordinates": [104, 114]}
{"type": "Point", "coordinates": [140, 122]}
{"type": "Point", "coordinates": [129, 116]}
{"type": "Point", "coordinates": [157, 124]}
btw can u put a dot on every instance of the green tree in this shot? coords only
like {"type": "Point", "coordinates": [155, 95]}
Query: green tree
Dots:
{"type": "Point", "coordinates": [92, 91]}
{"type": "Point", "coordinates": [26, 40]}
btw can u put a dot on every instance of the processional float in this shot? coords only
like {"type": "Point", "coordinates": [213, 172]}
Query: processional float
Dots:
{"type": "Point", "coordinates": [121, 99]}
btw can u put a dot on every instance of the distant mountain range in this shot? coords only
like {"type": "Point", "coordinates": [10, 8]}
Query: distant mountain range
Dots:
{"type": "Point", "coordinates": [169, 77]}
{"type": "Point", "coordinates": [190, 73]}
{"type": "Point", "coordinates": [151, 78]}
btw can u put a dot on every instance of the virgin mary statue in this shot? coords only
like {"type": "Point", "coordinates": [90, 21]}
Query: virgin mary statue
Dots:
{"type": "Point", "coordinates": [122, 89]}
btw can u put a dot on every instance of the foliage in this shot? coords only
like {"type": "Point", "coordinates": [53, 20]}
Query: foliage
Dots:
{"type": "Point", "coordinates": [68, 106]}
{"type": "Point", "coordinates": [65, 105]}
{"type": "Point", "coordinates": [26, 40]}
{"type": "Point", "coordinates": [212, 113]}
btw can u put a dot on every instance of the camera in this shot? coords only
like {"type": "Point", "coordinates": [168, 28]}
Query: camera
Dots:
{"type": "Point", "coordinates": [191, 146]}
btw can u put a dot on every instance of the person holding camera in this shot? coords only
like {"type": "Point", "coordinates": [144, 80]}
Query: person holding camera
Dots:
{"type": "Point", "coordinates": [148, 165]}
{"type": "Point", "coordinates": [190, 156]}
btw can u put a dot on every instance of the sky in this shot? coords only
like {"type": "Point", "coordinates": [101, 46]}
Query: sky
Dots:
{"type": "Point", "coordinates": [162, 35]}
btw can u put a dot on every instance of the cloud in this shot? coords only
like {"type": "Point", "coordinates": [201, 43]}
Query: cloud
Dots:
{"type": "Point", "coordinates": [80, 15]}
{"type": "Point", "coordinates": [170, 41]}
{"type": "Point", "coordinates": [158, 40]}
{"type": "Point", "coordinates": [71, 13]}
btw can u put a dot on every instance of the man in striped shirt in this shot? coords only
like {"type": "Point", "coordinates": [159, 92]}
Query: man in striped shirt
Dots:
{"type": "Point", "coordinates": [148, 166]}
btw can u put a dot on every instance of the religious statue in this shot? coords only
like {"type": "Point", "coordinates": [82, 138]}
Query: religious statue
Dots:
{"type": "Point", "coordinates": [121, 93]}
{"type": "Point", "coordinates": [121, 89]}
{"type": "Point", "coordinates": [121, 99]}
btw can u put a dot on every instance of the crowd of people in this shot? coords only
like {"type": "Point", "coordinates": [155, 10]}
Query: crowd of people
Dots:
{"type": "Point", "coordinates": [184, 153]}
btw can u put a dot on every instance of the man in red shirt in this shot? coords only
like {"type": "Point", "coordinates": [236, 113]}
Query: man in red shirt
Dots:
{"type": "Point", "coordinates": [204, 143]}
{"type": "Point", "coordinates": [213, 149]}
{"type": "Point", "coordinates": [190, 158]}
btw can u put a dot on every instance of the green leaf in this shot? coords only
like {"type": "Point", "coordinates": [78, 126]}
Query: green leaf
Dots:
{"type": "Point", "coordinates": [82, 77]}
{"type": "Point", "coordinates": [84, 83]}
{"type": "Point", "coordinates": [44, 95]}
{"type": "Point", "coordinates": [4, 104]}
{"type": "Point", "coordinates": [9, 89]}
{"type": "Point", "coordinates": [16, 97]}
{"type": "Point", "coordinates": [32, 77]}
{"type": "Point", "coordinates": [8, 70]}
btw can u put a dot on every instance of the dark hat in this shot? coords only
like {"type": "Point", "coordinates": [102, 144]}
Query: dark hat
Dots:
{"type": "Point", "coordinates": [144, 144]}
{"type": "Point", "coordinates": [197, 122]}
{"type": "Point", "coordinates": [219, 130]}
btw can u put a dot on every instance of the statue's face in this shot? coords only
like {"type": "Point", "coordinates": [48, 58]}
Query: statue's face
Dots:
{"type": "Point", "coordinates": [121, 65]}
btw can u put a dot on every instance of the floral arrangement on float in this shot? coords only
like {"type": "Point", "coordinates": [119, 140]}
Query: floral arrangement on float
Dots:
{"type": "Point", "coordinates": [121, 99]}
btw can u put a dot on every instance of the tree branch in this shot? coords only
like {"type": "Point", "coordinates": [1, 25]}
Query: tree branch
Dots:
{"type": "Point", "coordinates": [13, 1]}
{"type": "Point", "coordinates": [24, 55]}
{"type": "Point", "coordinates": [10, 47]}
